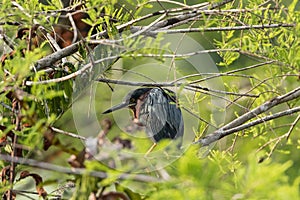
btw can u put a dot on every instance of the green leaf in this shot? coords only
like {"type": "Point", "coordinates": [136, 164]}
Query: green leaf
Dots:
{"type": "Point", "coordinates": [130, 193]}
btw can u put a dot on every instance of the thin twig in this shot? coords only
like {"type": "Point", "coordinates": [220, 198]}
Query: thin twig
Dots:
{"type": "Point", "coordinates": [75, 31]}
{"type": "Point", "coordinates": [292, 127]}
{"type": "Point", "coordinates": [7, 40]}
{"type": "Point", "coordinates": [73, 75]}
{"type": "Point", "coordinates": [169, 84]}
{"type": "Point", "coordinates": [67, 133]}
{"type": "Point", "coordinates": [230, 28]}
{"type": "Point", "coordinates": [52, 58]}
{"type": "Point", "coordinates": [278, 139]}
{"type": "Point", "coordinates": [236, 70]}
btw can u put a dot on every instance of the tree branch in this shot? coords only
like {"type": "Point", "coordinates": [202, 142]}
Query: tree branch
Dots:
{"type": "Point", "coordinates": [229, 28]}
{"type": "Point", "coordinates": [73, 75]}
{"type": "Point", "coordinates": [52, 58]}
{"type": "Point", "coordinates": [236, 125]}
{"type": "Point", "coordinates": [75, 171]}
{"type": "Point", "coordinates": [170, 84]}
{"type": "Point", "coordinates": [73, 135]}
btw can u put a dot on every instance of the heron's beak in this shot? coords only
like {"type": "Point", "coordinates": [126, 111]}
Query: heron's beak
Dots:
{"type": "Point", "coordinates": [116, 107]}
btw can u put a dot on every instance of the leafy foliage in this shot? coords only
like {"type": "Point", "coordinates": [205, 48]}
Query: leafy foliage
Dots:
{"type": "Point", "coordinates": [45, 84]}
{"type": "Point", "coordinates": [223, 176]}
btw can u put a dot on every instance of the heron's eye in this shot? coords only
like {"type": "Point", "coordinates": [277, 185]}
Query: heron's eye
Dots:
{"type": "Point", "coordinates": [132, 100]}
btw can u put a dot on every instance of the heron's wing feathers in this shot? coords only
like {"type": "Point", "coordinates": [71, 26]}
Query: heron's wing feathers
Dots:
{"type": "Point", "coordinates": [161, 116]}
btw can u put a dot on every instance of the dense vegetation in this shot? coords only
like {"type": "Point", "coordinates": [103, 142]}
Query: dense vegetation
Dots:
{"type": "Point", "coordinates": [233, 64]}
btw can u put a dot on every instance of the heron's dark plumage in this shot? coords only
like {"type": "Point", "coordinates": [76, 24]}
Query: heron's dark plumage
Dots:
{"type": "Point", "coordinates": [161, 116]}
{"type": "Point", "coordinates": [156, 109]}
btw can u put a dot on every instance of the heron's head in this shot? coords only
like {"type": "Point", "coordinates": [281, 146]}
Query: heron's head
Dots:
{"type": "Point", "coordinates": [131, 99]}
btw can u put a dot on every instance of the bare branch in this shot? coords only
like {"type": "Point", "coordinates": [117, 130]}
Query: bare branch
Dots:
{"type": "Point", "coordinates": [73, 75]}
{"type": "Point", "coordinates": [293, 125]}
{"type": "Point", "coordinates": [278, 139]}
{"type": "Point", "coordinates": [7, 40]}
{"type": "Point", "coordinates": [230, 28]}
{"type": "Point", "coordinates": [169, 84]}
{"type": "Point", "coordinates": [67, 133]}
{"type": "Point", "coordinates": [52, 58]}
{"type": "Point", "coordinates": [75, 171]}
{"type": "Point", "coordinates": [236, 125]}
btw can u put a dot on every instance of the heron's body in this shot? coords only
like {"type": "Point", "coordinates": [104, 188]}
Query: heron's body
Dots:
{"type": "Point", "coordinates": [157, 110]}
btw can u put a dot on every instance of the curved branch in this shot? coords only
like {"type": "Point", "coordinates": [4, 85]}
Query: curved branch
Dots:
{"type": "Point", "coordinates": [70, 76]}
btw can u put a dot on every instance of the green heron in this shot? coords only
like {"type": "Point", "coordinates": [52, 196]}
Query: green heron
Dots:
{"type": "Point", "coordinates": [156, 109]}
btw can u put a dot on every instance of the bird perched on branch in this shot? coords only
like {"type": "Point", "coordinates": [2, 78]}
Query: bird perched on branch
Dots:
{"type": "Point", "coordinates": [157, 110]}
